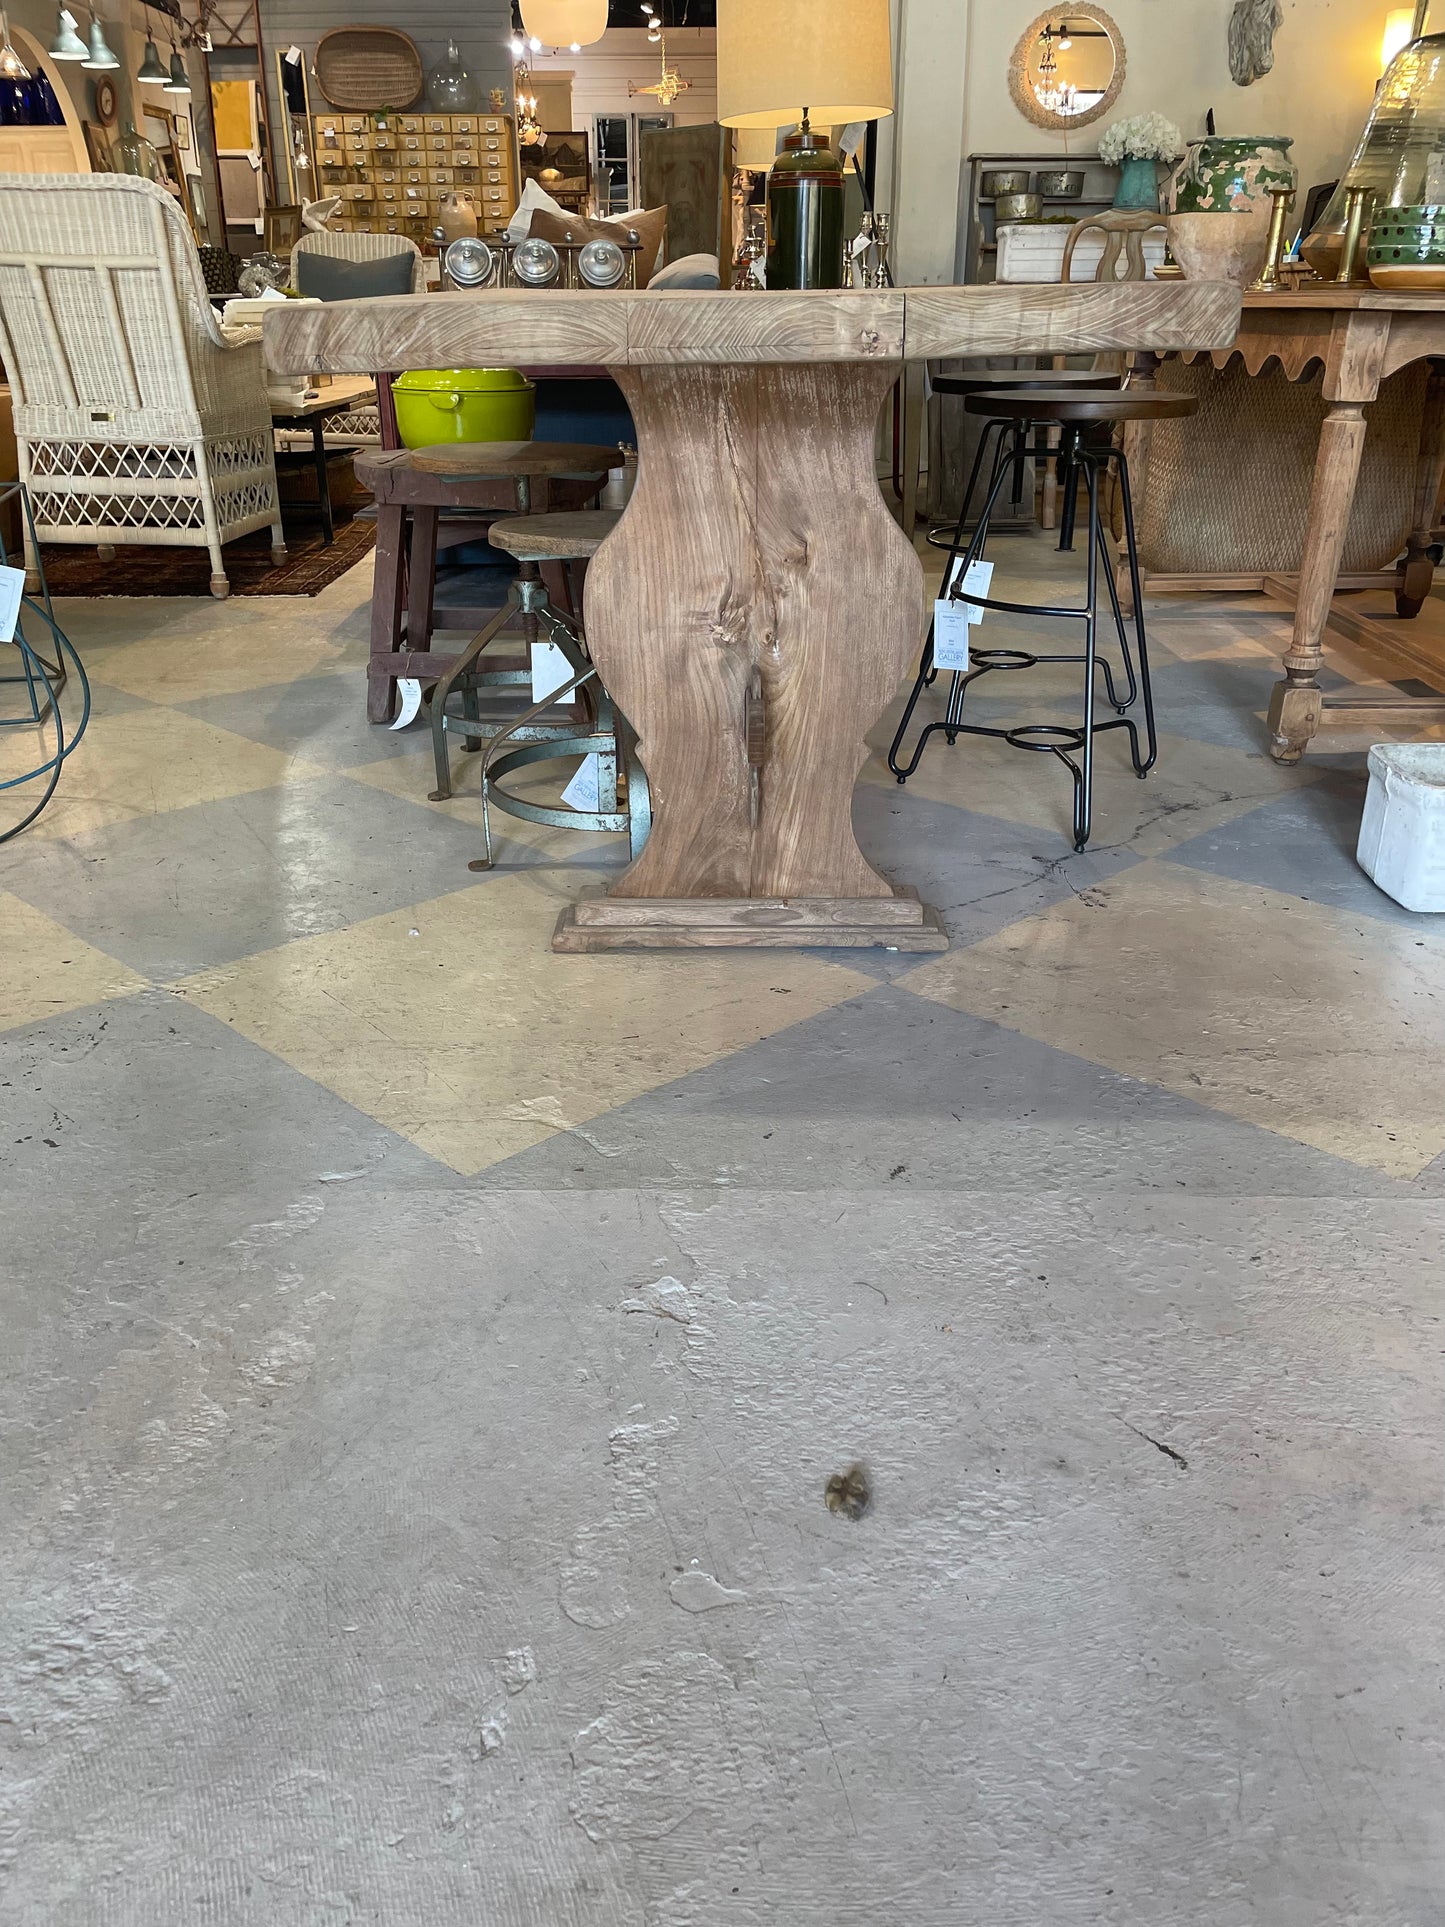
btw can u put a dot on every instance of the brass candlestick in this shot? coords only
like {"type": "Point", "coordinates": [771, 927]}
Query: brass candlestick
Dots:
{"type": "Point", "coordinates": [1269, 276]}
{"type": "Point", "coordinates": [1357, 207]}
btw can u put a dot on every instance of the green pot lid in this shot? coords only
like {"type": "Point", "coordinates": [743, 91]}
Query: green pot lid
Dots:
{"type": "Point", "coordinates": [463, 381]}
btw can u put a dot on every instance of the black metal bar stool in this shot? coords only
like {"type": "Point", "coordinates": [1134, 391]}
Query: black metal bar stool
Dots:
{"type": "Point", "coordinates": [1026, 412]}
{"type": "Point", "coordinates": [1045, 381]}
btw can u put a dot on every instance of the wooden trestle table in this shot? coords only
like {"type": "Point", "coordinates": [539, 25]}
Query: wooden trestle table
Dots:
{"type": "Point", "coordinates": [757, 606]}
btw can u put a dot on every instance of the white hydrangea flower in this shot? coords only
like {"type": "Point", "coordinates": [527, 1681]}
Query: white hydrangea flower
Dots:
{"type": "Point", "coordinates": [1145, 137]}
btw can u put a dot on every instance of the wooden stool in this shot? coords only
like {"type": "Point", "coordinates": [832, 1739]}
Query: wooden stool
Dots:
{"type": "Point", "coordinates": [425, 503]}
{"type": "Point", "coordinates": [533, 540]}
{"type": "Point", "coordinates": [1026, 411]}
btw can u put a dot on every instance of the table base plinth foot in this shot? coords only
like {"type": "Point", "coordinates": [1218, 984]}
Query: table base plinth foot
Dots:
{"type": "Point", "coordinates": [899, 922]}
{"type": "Point", "coordinates": [1295, 710]}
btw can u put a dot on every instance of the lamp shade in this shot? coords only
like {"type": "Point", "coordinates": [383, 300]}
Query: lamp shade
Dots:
{"type": "Point", "coordinates": [565, 23]}
{"type": "Point", "coordinates": [67, 44]}
{"type": "Point", "coordinates": [99, 58]}
{"type": "Point", "coordinates": [755, 148]}
{"type": "Point", "coordinates": [776, 58]}
{"type": "Point", "coordinates": [177, 80]}
{"type": "Point", "coordinates": [151, 68]}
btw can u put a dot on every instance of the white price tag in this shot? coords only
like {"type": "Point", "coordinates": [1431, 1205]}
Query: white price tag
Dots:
{"type": "Point", "coordinates": [12, 587]}
{"type": "Point", "coordinates": [950, 635]}
{"type": "Point", "coordinates": [582, 792]}
{"type": "Point", "coordinates": [550, 669]}
{"type": "Point", "coordinates": [976, 580]}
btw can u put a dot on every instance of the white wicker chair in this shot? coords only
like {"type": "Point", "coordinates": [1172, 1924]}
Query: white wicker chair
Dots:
{"type": "Point", "coordinates": [138, 420]}
{"type": "Point", "coordinates": [352, 427]}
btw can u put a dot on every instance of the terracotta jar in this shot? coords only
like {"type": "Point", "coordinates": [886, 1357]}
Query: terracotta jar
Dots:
{"type": "Point", "coordinates": [457, 218]}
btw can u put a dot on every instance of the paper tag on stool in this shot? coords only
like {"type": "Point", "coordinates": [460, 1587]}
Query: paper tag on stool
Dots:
{"type": "Point", "coordinates": [582, 793]}
{"type": "Point", "coordinates": [550, 669]}
{"type": "Point", "coordinates": [975, 580]}
{"type": "Point", "coordinates": [12, 587]}
{"type": "Point", "coordinates": [950, 635]}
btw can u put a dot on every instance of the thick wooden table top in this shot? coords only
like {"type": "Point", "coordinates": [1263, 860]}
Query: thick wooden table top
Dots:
{"type": "Point", "coordinates": [1333, 295]}
{"type": "Point", "coordinates": [570, 327]}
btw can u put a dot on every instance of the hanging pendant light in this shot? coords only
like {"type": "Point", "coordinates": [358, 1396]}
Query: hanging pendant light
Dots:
{"type": "Point", "coordinates": [178, 81]}
{"type": "Point", "coordinates": [12, 67]}
{"type": "Point", "coordinates": [98, 58]}
{"type": "Point", "coordinates": [564, 23]}
{"type": "Point", "coordinates": [67, 44]}
{"type": "Point", "coordinates": [150, 68]}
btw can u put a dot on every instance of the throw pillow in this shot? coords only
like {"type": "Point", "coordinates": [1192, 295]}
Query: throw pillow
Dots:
{"type": "Point", "coordinates": [692, 271]}
{"type": "Point", "coordinates": [329, 277]}
{"type": "Point", "coordinates": [651, 229]}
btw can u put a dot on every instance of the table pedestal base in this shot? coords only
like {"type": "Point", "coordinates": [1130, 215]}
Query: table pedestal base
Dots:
{"type": "Point", "coordinates": [899, 922]}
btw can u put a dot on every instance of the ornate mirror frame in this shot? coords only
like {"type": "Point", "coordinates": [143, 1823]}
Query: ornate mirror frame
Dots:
{"type": "Point", "coordinates": [1024, 97]}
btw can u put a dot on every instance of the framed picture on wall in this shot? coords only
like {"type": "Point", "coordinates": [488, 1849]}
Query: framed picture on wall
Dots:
{"type": "Point", "coordinates": [183, 132]}
{"type": "Point", "coordinates": [97, 147]}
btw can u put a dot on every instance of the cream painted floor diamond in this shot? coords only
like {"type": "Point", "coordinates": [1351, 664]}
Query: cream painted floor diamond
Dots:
{"type": "Point", "coordinates": [1324, 1027]}
{"type": "Point", "coordinates": [45, 968]}
{"type": "Point", "coordinates": [142, 763]}
{"type": "Point", "coordinates": [453, 1023]}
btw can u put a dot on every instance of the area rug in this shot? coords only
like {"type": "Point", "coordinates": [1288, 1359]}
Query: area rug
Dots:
{"type": "Point", "coordinates": [308, 568]}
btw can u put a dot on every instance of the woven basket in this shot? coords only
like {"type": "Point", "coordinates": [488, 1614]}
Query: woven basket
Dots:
{"type": "Point", "coordinates": [363, 69]}
{"type": "Point", "coordinates": [1229, 489]}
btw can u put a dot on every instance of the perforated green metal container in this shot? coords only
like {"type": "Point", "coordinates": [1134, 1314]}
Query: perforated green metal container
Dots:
{"type": "Point", "coordinates": [464, 405]}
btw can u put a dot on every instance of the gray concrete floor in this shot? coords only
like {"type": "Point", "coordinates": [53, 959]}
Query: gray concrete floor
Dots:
{"type": "Point", "coordinates": [417, 1428]}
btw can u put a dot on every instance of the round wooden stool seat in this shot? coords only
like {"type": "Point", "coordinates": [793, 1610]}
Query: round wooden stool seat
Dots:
{"type": "Point", "coordinates": [1125, 405]}
{"type": "Point", "coordinates": [554, 538]}
{"type": "Point", "coordinates": [505, 459]}
{"type": "Point", "coordinates": [1014, 379]}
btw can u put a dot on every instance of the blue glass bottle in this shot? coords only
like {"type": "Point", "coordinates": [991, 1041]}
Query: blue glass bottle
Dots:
{"type": "Point", "coordinates": [45, 109]}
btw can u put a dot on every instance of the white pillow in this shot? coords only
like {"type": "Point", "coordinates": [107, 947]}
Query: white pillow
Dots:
{"type": "Point", "coordinates": [691, 271]}
{"type": "Point", "coordinates": [533, 197]}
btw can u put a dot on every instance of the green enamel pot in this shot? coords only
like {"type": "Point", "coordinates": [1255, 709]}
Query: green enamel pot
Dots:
{"type": "Point", "coordinates": [463, 405]}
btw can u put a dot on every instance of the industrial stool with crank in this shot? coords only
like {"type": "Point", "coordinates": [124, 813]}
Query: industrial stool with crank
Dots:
{"type": "Point", "coordinates": [520, 464]}
{"type": "Point", "coordinates": [1025, 412]}
{"type": "Point", "coordinates": [1045, 381]}
{"type": "Point", "coordinates": [622, 794]}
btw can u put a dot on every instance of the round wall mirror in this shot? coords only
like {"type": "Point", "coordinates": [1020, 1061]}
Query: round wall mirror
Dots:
{"type": "Point", "coordinates": [1068, 67]}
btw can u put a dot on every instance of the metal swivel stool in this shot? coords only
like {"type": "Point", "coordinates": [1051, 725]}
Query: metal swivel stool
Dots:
{"type": "Point", "coordinates": [623, 801]}
{"type": "Point", "coordinates": [1011, 381]}
{"type": "Point", "coordinates": [519, 467]}
{"type": "Point", "coordinates": [1073, 414]}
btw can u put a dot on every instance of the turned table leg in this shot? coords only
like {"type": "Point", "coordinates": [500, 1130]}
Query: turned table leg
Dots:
{"type": "Point", "coordinates": [751, 616]}
{"type": "Point", "coordinates": [1419, 571]}
{"type": "Point", "coordinates": [1296, 703]}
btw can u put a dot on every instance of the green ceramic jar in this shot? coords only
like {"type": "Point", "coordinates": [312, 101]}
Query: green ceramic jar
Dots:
{"type": "Point", "coordinates": [1231, 176]}
{"type": "Point", "coordinates": [1407, 247]}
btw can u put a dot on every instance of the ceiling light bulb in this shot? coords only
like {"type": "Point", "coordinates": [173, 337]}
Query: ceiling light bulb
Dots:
{"type": "Point", "coordinates": [535, 44]}
{"type": "Point", "coordinates": [518, 46]}
{"type": "Point", "coordinates": [574, 46]}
